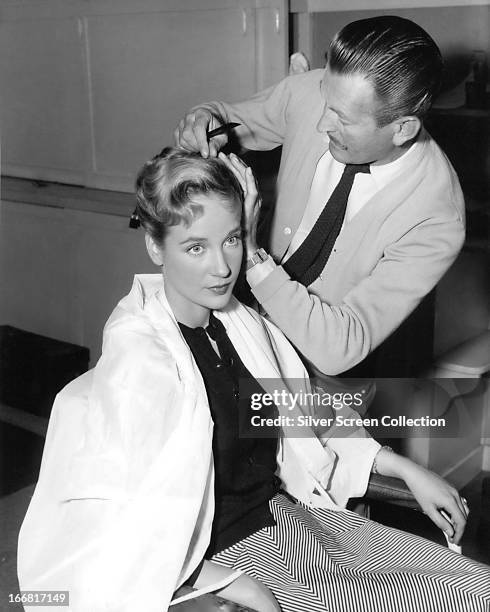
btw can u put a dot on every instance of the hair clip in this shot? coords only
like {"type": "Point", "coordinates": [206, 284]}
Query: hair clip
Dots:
{"type": "Point", "coordinates": [163, 153]}
{"type": "Point", "coordinates": [158, 155]}
{"type": "Point", "coordinates": [134, 221]}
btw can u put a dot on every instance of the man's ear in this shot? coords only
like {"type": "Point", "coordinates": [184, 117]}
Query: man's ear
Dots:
{"type": "Point", "coordinates": [405, 129]}
{"type": "Point", "coordinates": [154, 251]}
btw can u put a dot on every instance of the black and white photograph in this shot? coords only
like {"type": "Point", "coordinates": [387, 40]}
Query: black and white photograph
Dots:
{"type": "Point", "coordinates": [245, 305]}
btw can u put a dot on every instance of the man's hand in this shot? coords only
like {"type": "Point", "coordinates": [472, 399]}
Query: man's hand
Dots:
{"type": "Point", "coordinates": [191, 134]}
{"type": "Point", "coordinates": [252, 203]}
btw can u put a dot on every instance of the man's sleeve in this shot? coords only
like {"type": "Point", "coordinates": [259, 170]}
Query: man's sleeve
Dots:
{"type": "Point", "coordinates": [262, 118]}
{"type": "Point", "coordinates": [336, 337]}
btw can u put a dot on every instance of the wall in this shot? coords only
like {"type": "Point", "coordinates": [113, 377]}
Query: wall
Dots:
{"type": "Point", "coordinates": [62, 271]}
{"type": "Point", "coordinates": [457, 30]}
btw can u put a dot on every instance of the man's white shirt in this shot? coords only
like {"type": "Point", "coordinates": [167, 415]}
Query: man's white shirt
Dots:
{"type": "Point", "coordinates": [327, 175]}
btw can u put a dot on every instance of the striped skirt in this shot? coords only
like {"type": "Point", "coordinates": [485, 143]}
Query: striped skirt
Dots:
{"type": "Point", "coordinates": [319, 559]}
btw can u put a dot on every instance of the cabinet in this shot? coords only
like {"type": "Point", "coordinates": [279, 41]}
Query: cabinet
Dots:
{"type": "Point", "coordinates": [96, 87]}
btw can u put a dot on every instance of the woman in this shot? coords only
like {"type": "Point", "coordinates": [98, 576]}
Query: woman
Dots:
{"type": "Point", "coordinates": [137, 494]}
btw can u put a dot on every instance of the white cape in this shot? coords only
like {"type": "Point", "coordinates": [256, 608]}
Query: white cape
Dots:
{"type": "Point", "coordinates": [123, 508]}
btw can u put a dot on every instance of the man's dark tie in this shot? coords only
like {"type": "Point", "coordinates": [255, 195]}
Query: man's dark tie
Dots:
{"type": "Point", "coordinates": [307, 262]}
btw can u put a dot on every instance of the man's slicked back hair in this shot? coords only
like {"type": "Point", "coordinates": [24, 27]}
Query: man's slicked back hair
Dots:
{"type": "Point", "coordinates": [397, 57]}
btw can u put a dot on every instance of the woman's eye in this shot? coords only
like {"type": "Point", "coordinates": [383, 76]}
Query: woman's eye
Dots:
{"type": "Point", "coordinates": [196, 249]}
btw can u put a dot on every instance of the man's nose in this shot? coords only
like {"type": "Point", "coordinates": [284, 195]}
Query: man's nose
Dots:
{"type": "Point", "coordinates": [327, 121]}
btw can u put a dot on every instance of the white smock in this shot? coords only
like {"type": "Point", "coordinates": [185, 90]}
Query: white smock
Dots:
{"type": "Point", "coordinates": [122, 512]}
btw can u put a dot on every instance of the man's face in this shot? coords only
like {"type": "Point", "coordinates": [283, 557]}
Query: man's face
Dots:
{"type": "Point", "coordinates": [349, 121]}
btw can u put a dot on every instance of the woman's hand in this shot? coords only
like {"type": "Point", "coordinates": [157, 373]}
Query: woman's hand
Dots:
{"type": "Point", "coordinates": [252, 203]}
{"type": "Point", "coordinates": [245, 590]}
{"type": "Point", "coordinates": [437, 498]}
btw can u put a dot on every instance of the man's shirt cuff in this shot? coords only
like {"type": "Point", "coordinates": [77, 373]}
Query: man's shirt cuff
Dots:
{"type": "Point", "coordinates": [260, 271]}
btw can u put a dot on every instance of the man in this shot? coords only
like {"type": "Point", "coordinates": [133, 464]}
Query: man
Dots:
{"type": "Point", "coordinates": [369, 212]}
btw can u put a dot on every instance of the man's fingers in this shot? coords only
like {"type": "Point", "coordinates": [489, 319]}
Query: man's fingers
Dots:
{"type": "Point", "coordinates": [251, 182]}
{"type": "Point", "coordinates": [200, 128]}
{"type": "Point", "coordinates": [191, 133]}
{"type": "Point", "coordinates": [246, 174]}
{"type": "Point", "coordinates": [238, 163]}
{"type": "Point", "coordinates": [247, 182]}
{"type": "Point", "coordinates": [216, 144]}
{"type": "Point", "coordinates": [238, 170]}
{"type": "Point", "coordinates": [184, 137]}
{"type": "Point", "coordinates": [194, 138]}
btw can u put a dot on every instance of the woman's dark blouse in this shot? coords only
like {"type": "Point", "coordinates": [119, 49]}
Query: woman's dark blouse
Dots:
{"type": "Point", "coordinates": [244, 464]}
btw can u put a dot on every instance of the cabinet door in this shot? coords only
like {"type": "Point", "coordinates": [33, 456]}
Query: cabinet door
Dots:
{"type": "Point", "coordinates": [272, 45]}
{"type": "Point", "coordinates": [43, 99]}
{"type": "Point", "coordinates": [147, 69]}
{"type": "Point", "coordinates": [93, 88]}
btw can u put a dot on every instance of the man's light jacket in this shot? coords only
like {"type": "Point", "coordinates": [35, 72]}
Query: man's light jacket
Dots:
{"type": "Point", "coordinates": [385, 260]}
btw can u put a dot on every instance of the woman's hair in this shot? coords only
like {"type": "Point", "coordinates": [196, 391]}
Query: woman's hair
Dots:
{"type": "Point", "coordinates": [397, 57]}
{"type": "Point", "coordinates": [167, 185]}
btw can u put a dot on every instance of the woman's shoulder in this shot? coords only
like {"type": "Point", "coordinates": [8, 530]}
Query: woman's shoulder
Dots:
{"type": "Point", "coordinates": [141, 341]}
{"type": "Point", "coordinates": [140, 322]}
{"type": "Point", "coordinates": [133, 338]}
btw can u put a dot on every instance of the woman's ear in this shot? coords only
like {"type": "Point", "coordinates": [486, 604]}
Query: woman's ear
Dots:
{"type": "Point", "coordinates": [154, 251]}
{"type": "Point", "coordinates": [407, 129]}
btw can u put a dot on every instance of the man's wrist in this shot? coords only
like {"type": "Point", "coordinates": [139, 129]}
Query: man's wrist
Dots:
{"type": "Point", "coordinates": [257, 256]}
{"type": "Point", "coordinates": [258, 266]}
{"type": "Point", "coordinates": [250, 249]}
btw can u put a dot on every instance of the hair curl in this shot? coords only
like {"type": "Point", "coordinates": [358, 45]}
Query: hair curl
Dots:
{"type": "Point", "coordinates": [167, 185]}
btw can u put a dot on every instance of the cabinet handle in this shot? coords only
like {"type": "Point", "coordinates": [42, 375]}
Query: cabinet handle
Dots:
{"type": "Point", "coordinates": [244, 22]}
{"type": "Point", "coordinates": [277, 21]}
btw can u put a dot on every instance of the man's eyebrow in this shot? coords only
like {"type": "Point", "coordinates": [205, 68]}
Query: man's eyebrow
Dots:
{"type": "Point", "coordinates": [324, 96]}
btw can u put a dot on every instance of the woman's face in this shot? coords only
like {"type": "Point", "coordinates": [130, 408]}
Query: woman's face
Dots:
{"type": "Point", "coordinates": [201, 262]}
